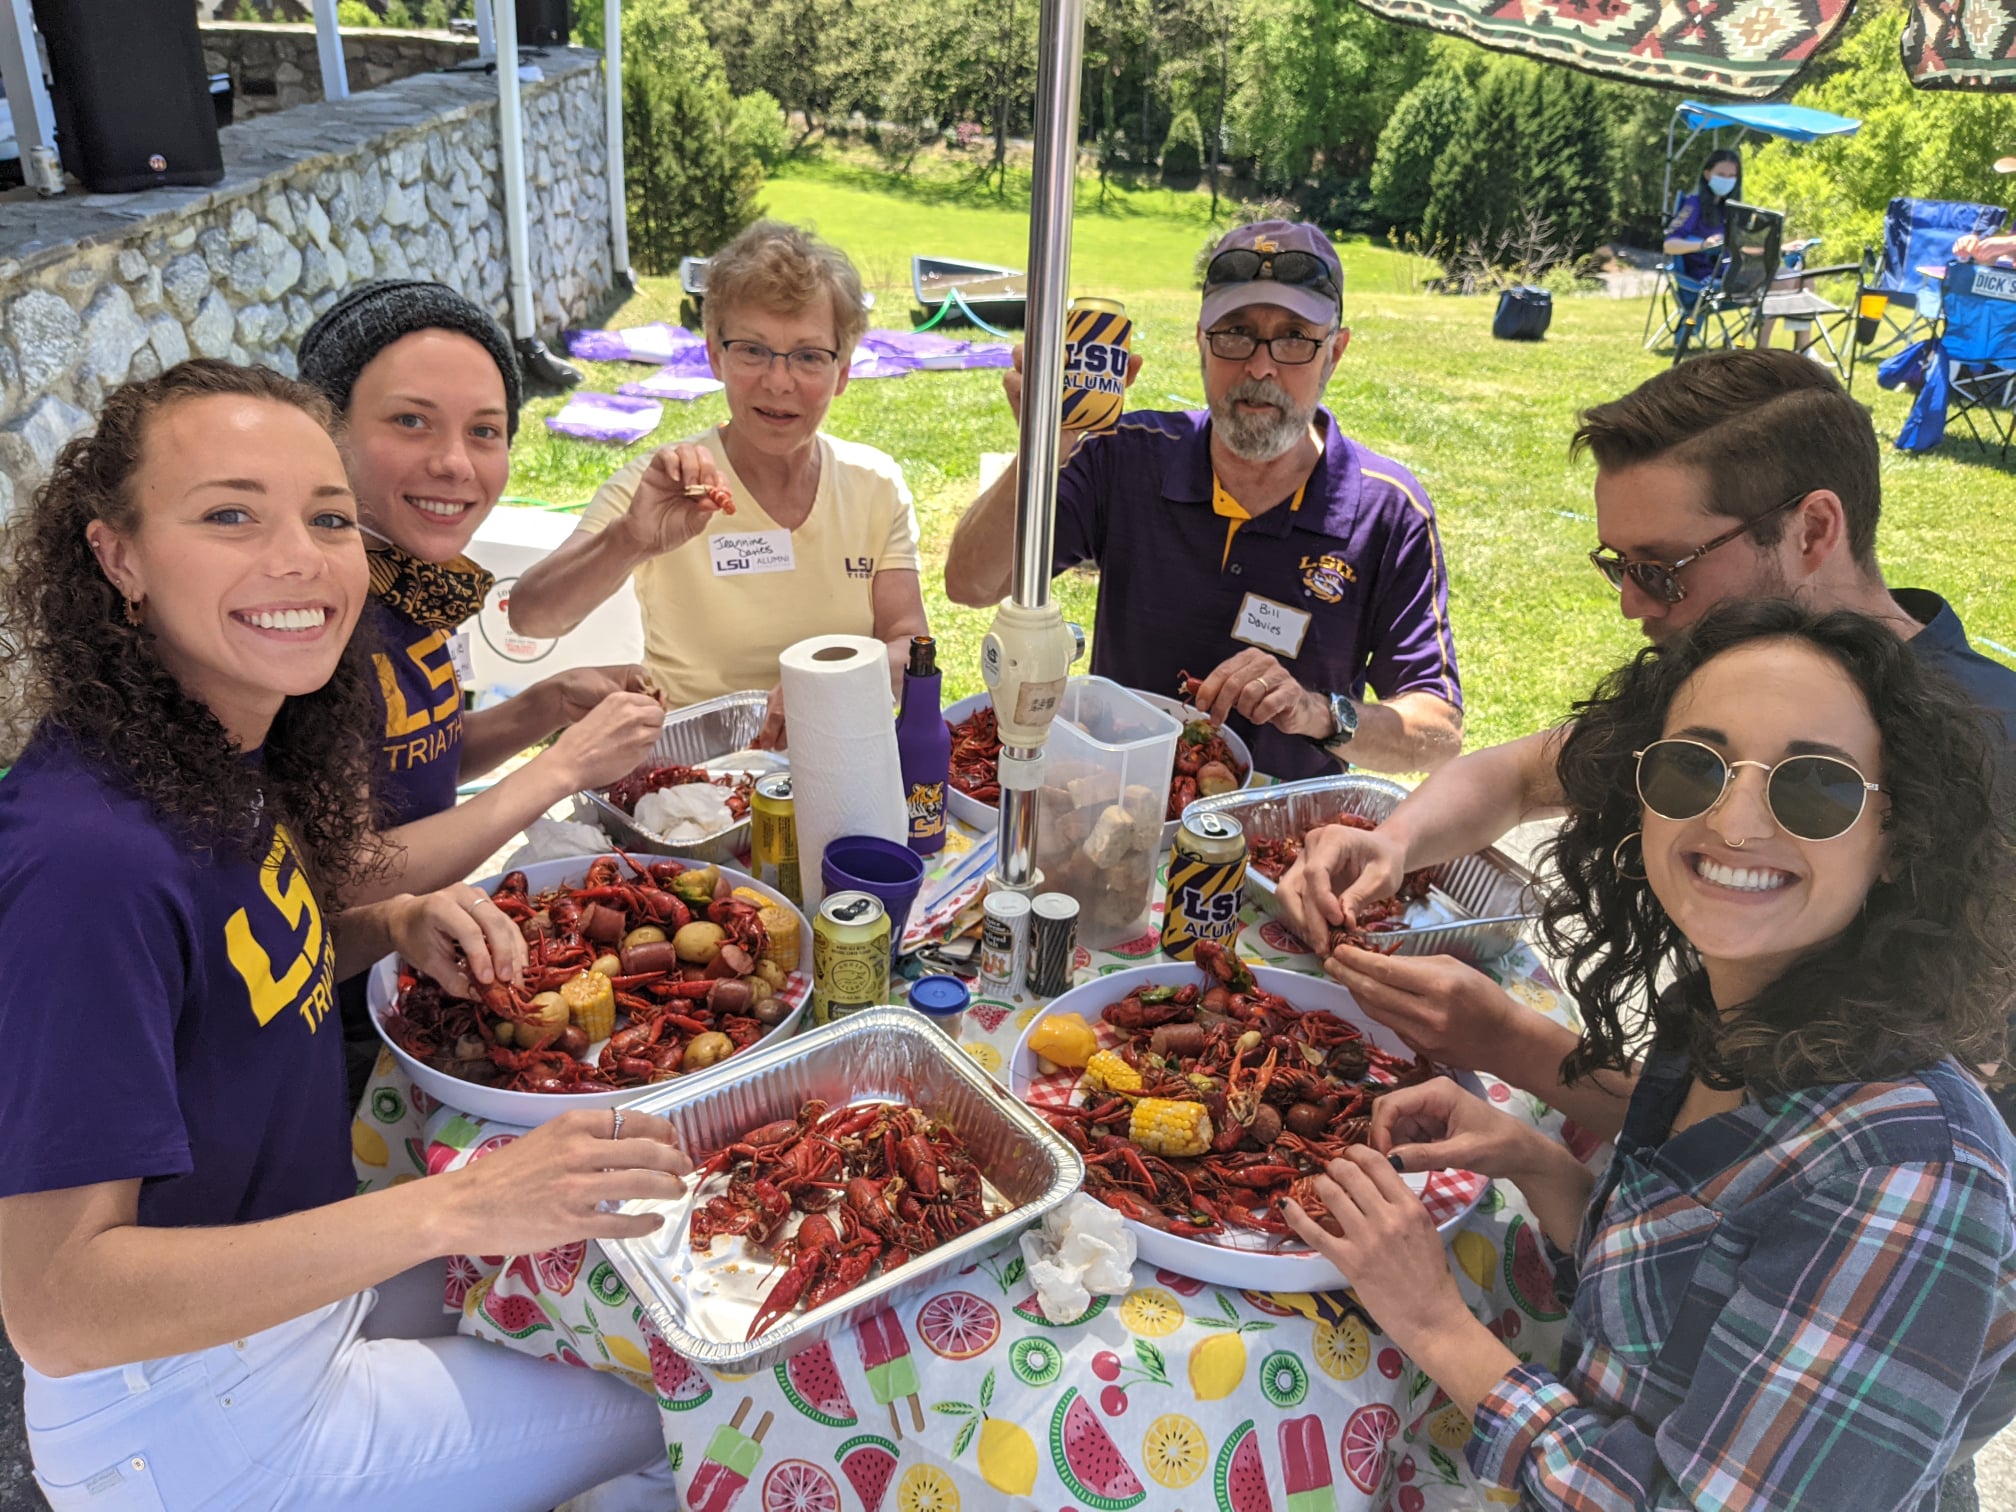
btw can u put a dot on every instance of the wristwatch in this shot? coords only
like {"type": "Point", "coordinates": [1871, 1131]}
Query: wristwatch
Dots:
{"type": "Point", "coordinates": [1343, 723]}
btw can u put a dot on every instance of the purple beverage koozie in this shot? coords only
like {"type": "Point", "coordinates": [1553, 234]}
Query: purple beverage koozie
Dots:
{"type": "Point", "coordinates": [881, 868]}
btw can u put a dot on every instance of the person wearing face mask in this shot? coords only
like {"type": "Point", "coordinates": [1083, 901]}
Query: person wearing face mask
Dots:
{"type": "Point", "coordinates": [1795, 1282]}
{"type": "Point", "coordinates": [1696, 233]}
{"type": "Point", "coordinates": [197, 1293]}
{"type": "Point", "coordinates": [1254, 542]}
{"type": "Point", "coordinates": [753, 536]}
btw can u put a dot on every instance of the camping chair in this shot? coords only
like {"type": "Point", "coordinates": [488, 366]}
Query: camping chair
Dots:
{"type": "Point", "coordinates": [1731, 304]}
{"type": "Point", "coordinates": [1814, 320]}
{"type": "Point", "coordinates": [1977, 341]}
{"type": "Point", "coordinates": [1896, 300]}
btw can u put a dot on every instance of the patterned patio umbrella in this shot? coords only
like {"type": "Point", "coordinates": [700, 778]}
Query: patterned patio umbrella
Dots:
{"type": "Point", "coordinates": [1961, 44]}
{"type": "Point", "coordinates": [1745, 48]}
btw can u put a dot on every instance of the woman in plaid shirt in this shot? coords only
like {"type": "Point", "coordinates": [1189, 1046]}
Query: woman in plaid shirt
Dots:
{"type": "Point", "coordinates": [1796, 1281]}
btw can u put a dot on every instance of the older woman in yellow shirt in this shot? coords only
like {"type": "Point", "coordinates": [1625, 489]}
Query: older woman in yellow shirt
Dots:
{"type": "Point", "coordinates": [763, 531]}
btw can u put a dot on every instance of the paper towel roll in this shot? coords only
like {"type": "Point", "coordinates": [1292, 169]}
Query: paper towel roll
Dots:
{"type": "Point", "coordinates": [846, 778]}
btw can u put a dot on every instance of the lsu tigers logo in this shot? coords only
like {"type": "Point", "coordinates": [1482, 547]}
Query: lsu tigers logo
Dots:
{"type": "Point", "coordinates": [287, 903]}
{"type": "Point", "coordinates": [1325, 576]}
{"type": "Point", "coordinates": [1265, 244]}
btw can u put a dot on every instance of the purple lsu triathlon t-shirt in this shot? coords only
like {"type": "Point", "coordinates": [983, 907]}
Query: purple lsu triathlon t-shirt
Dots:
{"type": "Point", "coordinates": [1344, 583]}
{"type": "Point", "coordinates": [172, 1012]}
{"type": "Point", "coordinates": [420, 699]}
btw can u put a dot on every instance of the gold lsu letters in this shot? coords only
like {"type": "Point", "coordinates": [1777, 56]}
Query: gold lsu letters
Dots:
{"type": "Point", "coordinates": [432, 730]}
{"type": "Point", "coordinates": [272, 992]}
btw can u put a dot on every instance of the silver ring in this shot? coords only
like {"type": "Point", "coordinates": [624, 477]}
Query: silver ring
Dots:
{"type": "Point", "coordinates": [472, 904]}
{"type": "Point", "coordinates": [615, 1123]}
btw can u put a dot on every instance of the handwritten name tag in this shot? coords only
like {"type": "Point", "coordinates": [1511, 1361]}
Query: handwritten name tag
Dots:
{"type": "Point", "coordinates": [744, 553]}
{"type": "Point", "coordinates": [1271, 626]}
{"type": "Point", "coordinates": [460, 659]}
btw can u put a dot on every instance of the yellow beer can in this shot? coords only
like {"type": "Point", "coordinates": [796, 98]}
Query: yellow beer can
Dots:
{"type": "Point", "coordinates": [1098, 337]}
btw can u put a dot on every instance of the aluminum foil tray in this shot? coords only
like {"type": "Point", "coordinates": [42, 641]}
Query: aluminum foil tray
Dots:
{"type": "Point", "coordinates": [1487, 898]}
{"type": "Point", "coordinates": [696, 736]}
{"type": "Point", "coordinates": [701, 1305]}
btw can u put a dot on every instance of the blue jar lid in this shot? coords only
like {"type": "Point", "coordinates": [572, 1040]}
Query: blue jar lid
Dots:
{"type": "Point", "coordinates": [939, 996]}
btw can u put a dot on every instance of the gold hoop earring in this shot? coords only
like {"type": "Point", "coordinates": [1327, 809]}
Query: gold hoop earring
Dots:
{"type": "Point", "coordinates": [1617, 858]}
{"type": "Point", "coordinates": [136, 612]}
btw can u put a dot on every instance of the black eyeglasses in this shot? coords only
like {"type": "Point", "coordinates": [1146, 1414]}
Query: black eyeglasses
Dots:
{"type": "Point", "coordinates": [1811, 797]}
{"type": "Point", "coordinates": [803, 362]}
{"type": "Point", "coordinates": [1662, 579]}
{"type": "Point", "coordinates": [1304, 270]}
{"type": "Point", "coordinates": [1239, 346]}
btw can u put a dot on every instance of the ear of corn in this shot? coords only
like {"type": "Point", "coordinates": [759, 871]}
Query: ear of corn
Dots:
{"type": "Point", "coordinates": [1106, 1071]}
{"type": "Point", "coordinates": [591, 1001]}
{"type": "Point", "coordinates": [1165, 1126]}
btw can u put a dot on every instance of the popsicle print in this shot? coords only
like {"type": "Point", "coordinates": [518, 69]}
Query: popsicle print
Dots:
{"type": "Point", "coordinates": [892, 1374]}
{"type": "Point", "coordinates": [1306, 1459]}
{"type": "Point", "coordinates": [731, 1458]}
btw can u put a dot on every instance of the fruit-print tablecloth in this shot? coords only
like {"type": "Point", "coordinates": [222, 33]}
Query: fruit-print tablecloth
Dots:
{"type": "Point", "coordinates": [1178, 1395]}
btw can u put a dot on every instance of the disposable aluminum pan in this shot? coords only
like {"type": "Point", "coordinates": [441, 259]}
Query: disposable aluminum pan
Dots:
{"type": "Point", "coordinates": [1477, 906]}
{"type": "Point", "coordinates": [703, 1304]}
{"type": "Point", "coordinates": [694, 736]}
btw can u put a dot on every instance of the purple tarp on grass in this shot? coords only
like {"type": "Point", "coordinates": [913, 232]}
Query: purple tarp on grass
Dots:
{"type": "Point", "coordinates": [670, 382]}
{"type": "Point", "coordinates": [661, 342]}
{"type": "Point", "coordinates": [607, 417]}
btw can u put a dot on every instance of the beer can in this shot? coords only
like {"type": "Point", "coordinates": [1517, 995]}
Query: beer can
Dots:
{"type": "Point", "coordinates": [1207, 881]}
{"type": "Point", "coordinates": [850, 956]}
{"type": "Point", "coordinates": [1098, 337]}
{"type": "Point", "coordinates": [1053, 943]}
{"type": "Point", "coordinates": [1004, 944]}
{"type": "Point", "coordinates": [773, 836]}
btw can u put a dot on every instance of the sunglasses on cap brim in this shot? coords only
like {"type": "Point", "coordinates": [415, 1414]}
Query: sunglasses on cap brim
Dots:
{"type": "Point", "coordinates": [1300, 270]}
{"type": "Point", "coordinates": [1811, 797]}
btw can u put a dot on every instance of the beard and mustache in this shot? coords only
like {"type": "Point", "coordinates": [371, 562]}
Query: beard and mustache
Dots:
{"type": "Point", "coordinates": [1260, 436]}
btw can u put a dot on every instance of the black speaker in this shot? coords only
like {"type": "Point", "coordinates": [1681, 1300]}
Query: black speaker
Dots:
{"type": "Point", "coordinates": [542, 23]}
{"type": "Point", "coordinates": [132, 99]}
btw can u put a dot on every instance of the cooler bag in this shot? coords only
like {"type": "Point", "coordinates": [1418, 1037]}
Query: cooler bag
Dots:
{"type": "Point", "coordinates": [1523, 313]}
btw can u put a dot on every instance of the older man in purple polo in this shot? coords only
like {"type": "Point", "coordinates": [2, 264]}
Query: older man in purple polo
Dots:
{"type": "Point", "coordinates": [1254, 539]}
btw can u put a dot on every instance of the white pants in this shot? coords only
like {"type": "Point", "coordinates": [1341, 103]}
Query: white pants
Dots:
{"type": "Point", "coordinates": [318, 1413]}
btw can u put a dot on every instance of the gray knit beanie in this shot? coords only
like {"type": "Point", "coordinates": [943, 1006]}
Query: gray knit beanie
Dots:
{"type": "Point", "coordinates": [372, 316]}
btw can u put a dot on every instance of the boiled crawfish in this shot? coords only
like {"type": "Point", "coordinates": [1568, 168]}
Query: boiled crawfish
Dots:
{"type": "Point", "coordinates": [976, 752]}
{"type": "Point", "coordinates": [878, 1183]}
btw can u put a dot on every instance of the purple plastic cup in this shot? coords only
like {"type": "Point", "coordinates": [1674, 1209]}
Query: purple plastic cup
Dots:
{"type": "Point", "coordinates": [881, 868]}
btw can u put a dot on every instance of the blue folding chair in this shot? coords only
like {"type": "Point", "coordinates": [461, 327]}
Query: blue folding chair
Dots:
{"type": "Point", "coordinates": [1896, 299]}
{"type": "Point", "coordinates": [1967, 370]}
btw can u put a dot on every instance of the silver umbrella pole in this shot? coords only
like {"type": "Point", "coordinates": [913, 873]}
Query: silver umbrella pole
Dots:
{"type": "Point", "coordinates": [1028, 652]}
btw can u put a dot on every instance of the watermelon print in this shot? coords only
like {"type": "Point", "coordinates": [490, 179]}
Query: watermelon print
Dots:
{"type": "Point", "coordinates": [990, 1018]}
{"type": "Point", "coordinates": [1528, 1276]}
{"type": "Point", "coordinates": [1239, 1478]}
{"type": "Point", "coordinates": [1029, 1308]}
{"type": "Point", "coordinates": [680, 1387]}
{"type": "Point", "coordinates": [519, 1317]}
{"type": "Point", "coordinates": [810, 1381]}
{"type": "Point", "coordinates": [869, 1463]}
{"type": "Point", "coordinates": [1086, 1459]}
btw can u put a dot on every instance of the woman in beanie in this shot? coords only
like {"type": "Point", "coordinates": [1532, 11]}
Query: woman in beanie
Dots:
{"type": "Point", "coordinates": [427, 386]}
{"type": "Point", "coordinates": [196, 1289]}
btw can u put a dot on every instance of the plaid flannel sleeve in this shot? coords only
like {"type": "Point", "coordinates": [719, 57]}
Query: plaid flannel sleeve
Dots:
{"type": "Point", "coordinates": [1835, 1376]}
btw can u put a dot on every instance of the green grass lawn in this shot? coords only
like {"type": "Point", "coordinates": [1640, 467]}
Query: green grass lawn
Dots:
{"type": "Point", "coordinates": [1485, 425]}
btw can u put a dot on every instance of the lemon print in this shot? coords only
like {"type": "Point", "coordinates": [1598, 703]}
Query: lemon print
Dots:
{"type": "Point", "coordinates": [626, 1354]}
{"type": "Point", "coordinates": [385, 1061]}
{"type": "Point", "coordinates": [1026, 1016]}
{"type": "Point", "coordinates": [405, 1176]}
{"type": "Point", "coordinates": [473, 1298]}
{"type": "Point", "coordinates": [1300, 1302]}
{"type": "Point", "coordinates": [1500, 1496]}
{"type": "Point", "coordinates": [988, 1057]}
{"type": "Point", "coordinates": [1151, 1312]}
{"type": "Point", "coordinates": [1449, 1429]}
{"type": "Point", "coordinates": [1343, 1350]}
{"type": "Point", "coordinates": [1174, 1452]}
{"type": "Point", "coordinates": [368, 1145]}
{"type": "Point", "coordinates": [1475, 1254]}
{"type": "Point", "coordinates": [1217, 1366]}
{"type": "Point", "coordinates": [1008, 1457]}
{"type": "Point", "coordinates": [730, 1375]}
{"type": "Point", "coordinates": [926, 1488]}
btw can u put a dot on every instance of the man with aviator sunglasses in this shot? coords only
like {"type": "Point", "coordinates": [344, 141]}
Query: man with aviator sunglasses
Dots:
{"type": "Point", "coordinates": [1254, 542]}
{"type": "Point", "coordinates": [1735, 475]}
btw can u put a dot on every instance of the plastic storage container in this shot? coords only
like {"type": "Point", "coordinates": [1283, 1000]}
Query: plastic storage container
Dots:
{"type": "Point", "coordinates": [1099, 814]}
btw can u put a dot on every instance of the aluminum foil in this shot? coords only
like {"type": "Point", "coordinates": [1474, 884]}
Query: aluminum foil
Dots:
{"type": "Point", "coordinates": [696, 736]}
{"type": "Point", "coordinates": [1477, 907]}
{"type": "Point", "coordinates": [703, 1304]}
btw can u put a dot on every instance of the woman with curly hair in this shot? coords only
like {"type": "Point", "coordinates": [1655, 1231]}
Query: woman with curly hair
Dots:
{"type": "Point", "coordinates": [185, 1267]}
{"type": "Point", "coordinates": [1797, 1277]}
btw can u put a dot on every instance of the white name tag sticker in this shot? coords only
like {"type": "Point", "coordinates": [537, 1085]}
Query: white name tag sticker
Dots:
{"type": "Point", "coordinates": [745, 553]}
{"type": "Point", "coordinates": [1271, 626]}
{"type": "Point", "coordinates": [459, 658]}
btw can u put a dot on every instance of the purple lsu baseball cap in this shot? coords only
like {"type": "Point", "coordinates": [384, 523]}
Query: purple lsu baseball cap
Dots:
{"type": "Point", "coordinates": [1222, 296]}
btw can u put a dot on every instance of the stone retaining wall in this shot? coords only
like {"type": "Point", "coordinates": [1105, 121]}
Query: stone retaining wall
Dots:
{"type": "Point", "coordinates": [277, 68]}
{"type": "Point", "coordinates": [400, 182]}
